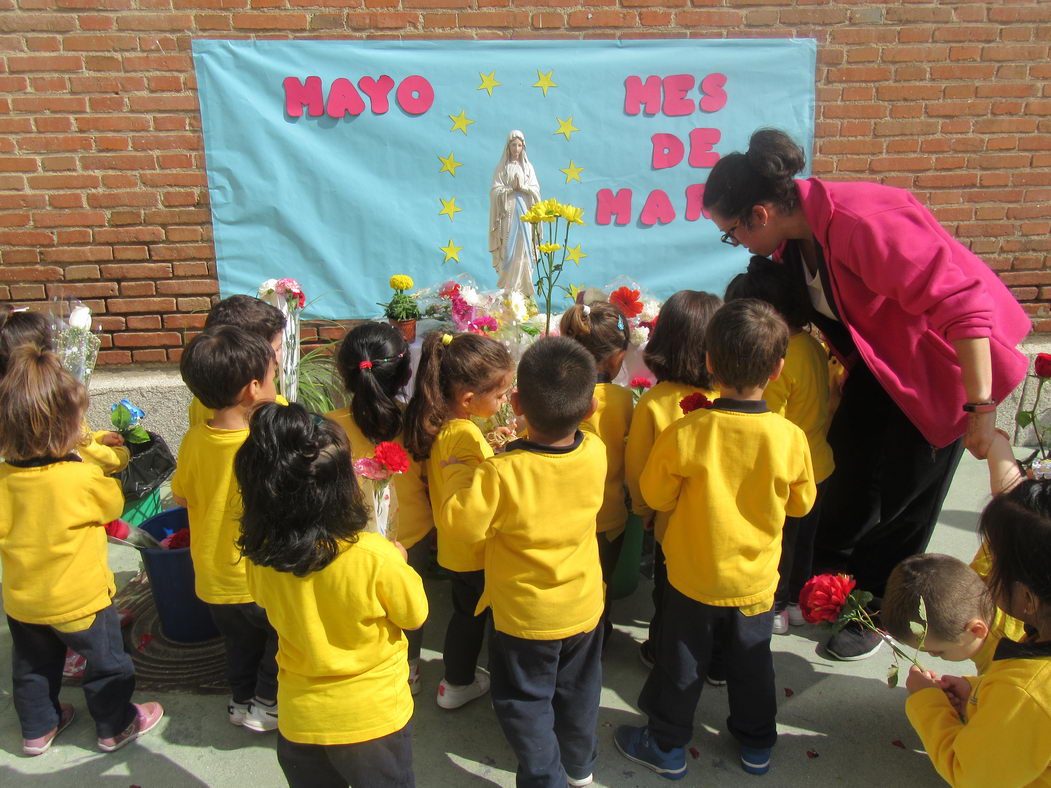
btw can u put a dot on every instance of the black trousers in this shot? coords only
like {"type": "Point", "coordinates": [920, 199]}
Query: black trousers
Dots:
{"type": "Point", "coordinates": [38, 654]}
{"type": "Point", "coordinates": [546, 698]}
{"type": "Point", "coordinates": [609, 557]}
{"type": "Point", "coordinates": [466, 631]}
{"type": "Point", "coordinates": [660, 583]}
{"type": "Point", "coordinates": [419, 557]}
{"type": "Point", "coordinates": [251, 650]}
{"type": "Point", "coordinates": [385, 762]}
{"type": "Point", "coordinates": [688, 633]}
{"type": "Point", "coordinates": [797, 551]}
{"type": "Point", "coordinates": [884, 497]}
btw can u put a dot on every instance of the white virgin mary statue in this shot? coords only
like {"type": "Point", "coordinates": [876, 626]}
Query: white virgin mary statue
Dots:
{"type": "Point", "coordinates": [514, 191]}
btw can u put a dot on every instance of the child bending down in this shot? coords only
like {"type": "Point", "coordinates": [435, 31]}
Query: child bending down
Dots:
{"type": "Point", "coordinates": [57, 586]}
{"type": "Point", "coordinates": [340, 599]}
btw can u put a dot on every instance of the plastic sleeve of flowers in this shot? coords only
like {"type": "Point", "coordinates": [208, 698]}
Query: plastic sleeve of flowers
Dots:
{"type": "Point", "coordinates": [77, 349]}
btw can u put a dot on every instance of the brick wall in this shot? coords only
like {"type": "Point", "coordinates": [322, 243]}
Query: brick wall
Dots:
{"type": "Point", "coordinates": [103, 193]}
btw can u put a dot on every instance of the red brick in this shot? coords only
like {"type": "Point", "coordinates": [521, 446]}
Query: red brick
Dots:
{"type": "Point", "coordinates": [137, 271]}
{"type": "Point", "coordinates": [194, 304]}
{"type": "Point", "coordinates": [144, 323]}
{"type": "Point", "coordinates": [151, 305]}
{"type": "Point", "coordinates": [185, 321]}
{"type": "Point", "coordinates": [138, 288]}
{"type": "Point", "coordinates": [147, 356]}
{"type": "Point", "coordinates": [78, 254]}
{"type": "Point", "coordinates": [93, 290]}
{"type": "Point", "coordinates": [27, 292]}
{"type": "Point", "coordinates": [107, 357]}
{"type": "Point", "coordinates": [82, 272]}
{"type": "Point", "coordinates": [188, 287]}
{"type": "Point", "coordinates": [30, 274]}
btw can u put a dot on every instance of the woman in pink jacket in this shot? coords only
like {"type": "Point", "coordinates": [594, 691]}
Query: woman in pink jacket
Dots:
{"type": "Point", "coordinates": [926, 330]}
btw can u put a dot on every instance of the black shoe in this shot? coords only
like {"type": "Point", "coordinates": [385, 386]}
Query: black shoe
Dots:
{"type": "Point", "coordinates": [647, 655]}
{"type": "Point", "coordinates": [853, 642]}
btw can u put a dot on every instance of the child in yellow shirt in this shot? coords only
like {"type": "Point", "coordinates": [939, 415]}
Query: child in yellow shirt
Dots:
{"type": "Point", "coordinates": [374, 364]}
{"type": "Point", "coordinates": [458, 377]}
{"type": "Point", "coordinates": [602, 330]}
{"type": "Point", "coordinates": [339, 597]}
{"type": "Point", "coordinates": [675, 354]}
{"type": "Point", "coordinates": [230, 371]}
{"type": "Point", "coordinates": [57, 585]}
{"type": "Point", "coordinates": [729, 475]}
{"type": "Point", "coordinates": [535, 506]}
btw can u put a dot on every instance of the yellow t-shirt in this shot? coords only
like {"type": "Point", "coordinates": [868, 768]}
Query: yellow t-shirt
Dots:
{"type": "Point", "coordinates": [800, 394]}
{"type": "Point", "coordinates": [610, 422]}
{"type": "Point", "coordinates": [1002, 626]}
{"type": "Point", "coordinates": [112, 459]}
{"type": "Point", "coordinates": [342, 667]}
{"type": "Point", "coordinates": [199, 414]}
{"type": "Point", "coordinates": [1006, 739]}
{"type": "Point", "coordinates": [53, 548]}
{"type": "Point", "coordinates": [535, 506]}
{"type": "Point", "coordinates": [729, 476]}
{"type": "Point", "coordinates": [204, 476]}
{"type": "Point", "coordinates": [413, 519]}
{"type": "Point", "coordinates": [656, 409]}
{"type": "Point", "coordinates": [459, 438]}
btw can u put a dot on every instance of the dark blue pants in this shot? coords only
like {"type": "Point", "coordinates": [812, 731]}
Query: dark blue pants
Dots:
{"type": "Point", "coordinates": [546, 697]}
{"type": "Point", "coordinates": [38, 654]}
{"type": "Point", "coordinates": [466, 631]}
{"type": "Point", "coordinates": [385, 762]}
{"type": "Point", "coordinates": [609, 557]}
{"type": "Point", "coordinates": [673, 689]}
{"type": "Point", "coordinates": [797, 551]}
{"type": "Point", "coordinates": [419, 557]}
{"type": "Point", "coordinates": [251, 650]}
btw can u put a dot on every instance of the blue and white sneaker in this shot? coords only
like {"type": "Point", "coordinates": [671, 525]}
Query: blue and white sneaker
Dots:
{"type": "Point", "coordinates": [756, 760]}
{"type": "Point", "coordinates": [637, 745]}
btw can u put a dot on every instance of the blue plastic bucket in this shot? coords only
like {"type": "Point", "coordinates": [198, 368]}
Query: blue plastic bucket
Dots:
{"type": "Point", "coordinates": [184, 618]}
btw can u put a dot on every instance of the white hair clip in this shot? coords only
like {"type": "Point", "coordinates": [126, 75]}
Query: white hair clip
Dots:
{"type": "Point", "coordinates": [587, 309]}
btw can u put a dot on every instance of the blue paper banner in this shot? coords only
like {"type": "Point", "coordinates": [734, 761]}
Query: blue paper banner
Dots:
{"type": "Point", "coordinates": [340, 163]}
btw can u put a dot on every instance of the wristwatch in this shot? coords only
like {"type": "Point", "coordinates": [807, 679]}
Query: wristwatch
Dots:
{"type": "Point", "coordinates": [986, 406]}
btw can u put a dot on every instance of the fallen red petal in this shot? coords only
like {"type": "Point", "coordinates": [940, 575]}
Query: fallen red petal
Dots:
{"type": "Point", "coordinates": [811, 754]}
{"type": "Point", "coordinates": [789, 693]}
{"type": "Point", "coordinates": [695, 753]}
{"type": "Point", "coordinates": [144, 641]}
{"type": "Point", "coordinates": [898, 743]}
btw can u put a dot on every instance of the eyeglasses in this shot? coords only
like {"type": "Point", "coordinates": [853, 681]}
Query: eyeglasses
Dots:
{"type": "Point", "coordinates": [728, 236]}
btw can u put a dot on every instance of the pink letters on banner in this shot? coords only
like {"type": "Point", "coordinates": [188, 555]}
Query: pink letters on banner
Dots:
{"type": "Point", "coordinates": [414, 95]}
{"type": "Point", "coordinates": [658, 208]}
{"type": "Point", "coordinates": [670, 95]}
{"type": "Point", "coordinates": [613, 205]}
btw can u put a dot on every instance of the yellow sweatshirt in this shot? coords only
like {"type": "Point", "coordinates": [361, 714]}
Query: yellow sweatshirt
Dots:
{"type": "Point", "coordinates": [199, 414]}
{"type": "Point", "coordinates": [656, 409]}
{"type": "Point", "coordinates": [112, 459]}
{"type": "Point", "coordinates": [610, 422]}
{"type": "Point", "coordinates": [52, 545]}
{"type": "Point", "coordinates": [204, 476]}
{"type": "Point", "coordinates": [535, 507]}
{"type": "Point", "coordinates": [1002, 626]}
{"type": "Point", "coordinates": [413, 520]}
{"type": "Point", "coordinates": [800, 394]}
{"type": "Point", "coordinates": [342, 668]}
{"type": "Point", "coordinates": [729, 476]}
{"type": "Point", "coordinates": [1006, 739]}
{"type": "Point", "coordinates": [460, 439]}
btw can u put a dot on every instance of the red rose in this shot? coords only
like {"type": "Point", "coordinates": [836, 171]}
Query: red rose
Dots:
{"type": "Point", "coordinates": [392, 456]}
{"type": "Point", "coordinates": [627, 301]}
{"type": "Point", "coordinates": [823, 597]}
{"type": "Point", "coordinates": [694, 402]}
{"type": "Point", "coordinates": [179, 539]}
{"type": "Point", "coordinates": [1042, 365]}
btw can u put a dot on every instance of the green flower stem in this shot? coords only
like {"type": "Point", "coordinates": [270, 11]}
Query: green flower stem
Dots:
{"type": "Point", "coordinates": [1036, 420]}
{"type": "Point", "coordinates": [866, 621]}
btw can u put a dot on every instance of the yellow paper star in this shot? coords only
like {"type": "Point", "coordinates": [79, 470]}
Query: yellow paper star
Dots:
{"type": "Point", "coordinates": [449, 208]}
{"type": "Point", "coordinates": [573, 253]}
{"type": "Point", "coordinates": [544, 82]}
{"type": "Point", "coordinates": [452, 251]}
{"type": "Point", "coordinates": [573, 290]}
{"type": "Point", "coordinates": [461, 121]}
{"type": "Point", "coordinates": [488, 82]}
{"type": "Point", "coordinates": [566, 126]}
{"type": "Point", "coordinates": [449, 164]}
{"type": "Point", "coordinates": [572, 171]}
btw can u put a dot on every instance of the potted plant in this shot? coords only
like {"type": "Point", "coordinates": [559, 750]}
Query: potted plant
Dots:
{"type": "Point", "coordinates": [402, 310]}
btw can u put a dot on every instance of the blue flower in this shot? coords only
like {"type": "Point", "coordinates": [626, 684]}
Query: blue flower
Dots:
{"type": "Point", "coordinates": [136, 413]}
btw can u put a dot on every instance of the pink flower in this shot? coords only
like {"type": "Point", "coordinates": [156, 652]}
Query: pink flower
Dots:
{"type": "Point", "coordinates": [449, 289]}
{"type": "Point", "coordinates": [371, 468]}
{"type": "Point", "coordinates": [640, 382]}
{"type": "Point", "coordinates": [483, 325]}
{"type": "Point", "coordinates": [287, 287]}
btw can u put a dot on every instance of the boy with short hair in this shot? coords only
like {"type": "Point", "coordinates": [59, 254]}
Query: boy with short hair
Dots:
{"type": "Point", "coordinates": [231, 371]}
{"type": "Point", "coordinates": [729, 475]}
{"type": "Point", "coordinates": [535, 504]}
{"type": "Point", "coordinates": [252, 315]}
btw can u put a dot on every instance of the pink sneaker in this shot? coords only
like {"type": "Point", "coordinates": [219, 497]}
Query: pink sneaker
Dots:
{"type": "Point", "coordinates": [42, 744]}
{"type": "Point", "coordinates": [147, 715]}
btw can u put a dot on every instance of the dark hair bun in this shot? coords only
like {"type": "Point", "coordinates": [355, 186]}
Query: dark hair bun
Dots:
{"type": "Point", "coordinates": [774, 155]}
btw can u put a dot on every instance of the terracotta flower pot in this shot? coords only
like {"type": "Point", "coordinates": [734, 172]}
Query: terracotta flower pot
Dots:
{"type": "Point", "coordinates": [407, 328]}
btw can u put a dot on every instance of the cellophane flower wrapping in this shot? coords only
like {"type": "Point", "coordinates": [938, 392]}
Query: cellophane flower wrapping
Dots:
{"type": "Point", "coordinates": [288, 296]}
{"type": "Point", "coordinates": [75, 344]}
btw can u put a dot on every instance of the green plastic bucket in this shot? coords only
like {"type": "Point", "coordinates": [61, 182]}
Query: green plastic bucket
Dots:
{"type": "Point", "coordinates": [626, 575]}
{"type": "Point", "coordinates": [138, 512]}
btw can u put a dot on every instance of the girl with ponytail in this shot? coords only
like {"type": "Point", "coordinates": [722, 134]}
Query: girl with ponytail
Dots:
{"type": "Point", "coordinates": [458, 377]}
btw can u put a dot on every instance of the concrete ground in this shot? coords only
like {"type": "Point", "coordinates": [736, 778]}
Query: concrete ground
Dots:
{"type": "Point", "coordinates": [839, 723]}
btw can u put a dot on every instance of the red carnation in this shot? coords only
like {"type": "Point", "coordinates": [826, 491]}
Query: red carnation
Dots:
{"type": "Point", "coordinates": [392, 456]}
{"type": "Point", "coordinates": [180, 538]}
{"type": "Point", "coordinates": [640, 382]}
{"type": "Point", "coordinates": [627, 301]}
{"type": "Point", "coordinates": [1042, 365]}
{"type": "Point", "coordinates": [823, 597]}
{"type": "Point", "coordinates": [693, 402]}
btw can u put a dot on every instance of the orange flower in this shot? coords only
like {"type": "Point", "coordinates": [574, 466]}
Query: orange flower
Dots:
{"type": "Point", "coordinates": [627, 301]}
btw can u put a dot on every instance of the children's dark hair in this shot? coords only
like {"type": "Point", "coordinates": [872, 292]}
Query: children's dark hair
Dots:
{"type": "Point", "coordinates": [764, 174]}
{"type": "Point", "coordinates": [773, 283]}
{"type": "Point", "coordinates": [746, 338]}
{"type": "Point", "coordinates": [1017, 526]}
{"type": "Point", "coordinates": [43, 406]}
{"type": "Point", "coordinates": [221, 361]}
{"type": "Point", "coordinates": [953, 594]}
{"type": "Point", "coordinates": [556, 381]}
{"type": "Point", "coordinates": [302, 504]}
{"type": "Point", "coordinates": [469, 362]}
{"type": "Point", "coordinates": [675, 351]}
{"type": "Point", "coordinates": [600, 327]}
{"type": "Point", "coordinates": [374, 362]}
{"type": "Point", "coordinates": [244, 311]}
{"type": "Point", "coordinates": [22, 328]}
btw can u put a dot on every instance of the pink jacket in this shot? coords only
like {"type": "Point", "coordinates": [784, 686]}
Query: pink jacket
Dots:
{"type": "Point", "coordinates": [906, 289]}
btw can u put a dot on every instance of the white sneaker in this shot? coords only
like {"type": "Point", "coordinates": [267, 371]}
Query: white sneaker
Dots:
{"type": "Point", "coordinates": [781, 623]}
{"type": "Point", "coordinates": [580, 782]}
{"type": "Point", "coordinates": [795, 615]}
{"type": "Point", "coordinates": [415, 685]}
{"type": "Point", "coordinates": [261, 717]}
{"type": "Point", "coordinates": [453, 696]}
{"type": "Point", "coordinates": [237, 711]}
